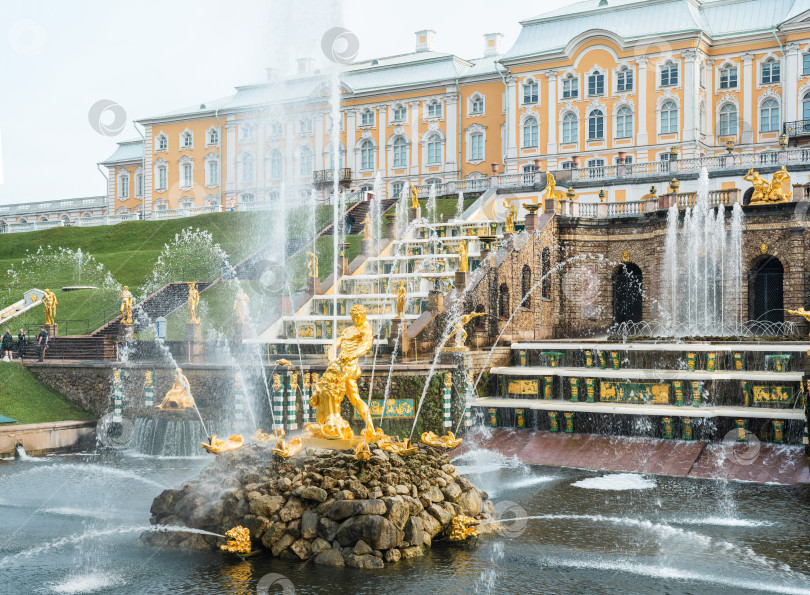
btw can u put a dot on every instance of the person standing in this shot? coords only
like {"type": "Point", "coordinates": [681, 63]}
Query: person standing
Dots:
{"type": "Point", "coordinates": [7, 346]}
{"type": "Point", "coordinates": [42, 343]}
{"type": "Point", "coordinates": [21, 344]}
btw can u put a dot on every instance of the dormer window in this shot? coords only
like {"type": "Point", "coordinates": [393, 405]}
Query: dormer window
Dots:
{"type": "Point", "coordinates": [624, 80]}
{"type": "Point", "coordinates": [596, 84]}
{"type": "Point", "coordinates": [669, 74]}
{"type": "Point", "coordinates": [434, 110]}
{"type": "Point", "coordinates": [728, 77]}
{"type": "Point", "coordinates": [570, 87]}
{"type": "Point", "coordinates": [400, 113]}
{"type": "Point", "coordinates": [771, 72]}
{"type": "Point", "coordinates": [367, 118]}
{"type": "Point", "coordinates": [531, 92]}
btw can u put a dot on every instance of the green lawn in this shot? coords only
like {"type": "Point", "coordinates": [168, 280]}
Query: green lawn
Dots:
{"type": "Point", "coordinates": [26, 399]}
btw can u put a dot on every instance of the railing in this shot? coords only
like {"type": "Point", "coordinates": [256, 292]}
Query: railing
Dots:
{"type": "Point", "coordinates": [164, 214]}
{"type": "Point", "coordinates": [83, 326]}
{"type": "Point", "coordinates": [326, 176]}
{"type": "Point", "coordinates": [797, 128]}
{"type": "Point", "coordinates": [105, 220]}
{"type": "Point", "coordinates": [716, 197]}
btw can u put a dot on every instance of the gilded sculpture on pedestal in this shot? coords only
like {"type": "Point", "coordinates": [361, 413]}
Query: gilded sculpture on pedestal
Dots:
{"type": "Point", "coordinates": [126, 305]}
{"type": "Point", "coordinates": [463, 257]}
{"type": "Point", "coordinates": [193, 302]}
{"type": "Point", "coordinates": [240, 306]}
{"type": "Point", "coordinates": [179, 395]}
{"type": "Point", "coordinates": [312, 264]}
{"type": "Point", "coordinates": [402, 298]}
{"type": "Point", "coordinates": [414, 198]}
{"type": "Point", "coordinates": [551, 186]}
{"type": "Point", "coordinates": [768, 192]}
{"type": "Point", "coordinates": [461, 333]}
{"type": "Point", "coordinates": [50, 302]}
{"type": "Point", "coordinates": [340, 379]}
{"type": "Point", "coordinates": [511, 217]}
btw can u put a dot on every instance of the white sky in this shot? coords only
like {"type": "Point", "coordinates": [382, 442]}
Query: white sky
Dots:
{"type": "Point", "coordinates": [59, 57]}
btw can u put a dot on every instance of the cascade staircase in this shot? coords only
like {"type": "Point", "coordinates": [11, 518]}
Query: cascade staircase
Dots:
{"type": "Point", "coordinates": [358, 212]}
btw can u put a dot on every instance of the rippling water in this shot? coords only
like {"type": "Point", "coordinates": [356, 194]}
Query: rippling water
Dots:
{"type": "Point", "coordinates": [71, 525]}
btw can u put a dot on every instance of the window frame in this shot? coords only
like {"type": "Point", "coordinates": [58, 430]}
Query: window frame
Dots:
{"type": "Point", "coordinates": [596, 125]}
{"type": "Point", "coordinates": [622, 115]}
{"type": "Point", "coordinates": [434, 149]}
{"type": "Point", "coordinates": [770, 104]}
{"type": "Point", "coordinates": [531, 92]}
{"type": "Point", "coordinates": [534, 133]}
{"type": "Point", "coordinates": [572, 125]}
{"type": "Point", "coordinates": [729, 77]}
{"type": "Point", "coordinates": [367, 118]}
{"type": "Point", "coordinates": [771, 64]}
{"type": "Point", "coordinates": [669, 67]}
{"type": "Point", "coordinates": [727, 123]}
{"type": "Point", "coordinates": [669, 129]}
{"type": "Point", "coordinates": [624, 79]}
{"type": "Point", "coordinates": [572, 82]}
{"type": "Point", "coordinates": [596, 84]}
{"type": "Point", "coordinates": [477, 146]}
{"type": "Point", "coordinates": [399, 153]}
{"type": "Point", "coordinates": [366, 149]}
{"type": "Point", "coordinates": [434, 109]}
{"type": "Point", "coordinates": [396, 110]}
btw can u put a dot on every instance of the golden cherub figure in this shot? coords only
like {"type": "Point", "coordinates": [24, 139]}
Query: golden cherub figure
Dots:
{"type": "Point", "coordinates": [340, 379]}
{"type": "Point", "coordinates": [511, 217]}
{"type": "Point", "coordinates": [193, 302]}
{"type": "Point", "coordinates": [463, 257]}
{"type": "Point", "coordinates": [50, 301]}
{"type": "Point", "coordinates": [402, 298]}
{"type": "Point", "coordinates": [312, 265]}
{"type": "Point", "coordinates": [414, 198]}
{"type": "Point", "coordinates": [126, 305]}
{"type": "Point", "coordinates": [240, 306]}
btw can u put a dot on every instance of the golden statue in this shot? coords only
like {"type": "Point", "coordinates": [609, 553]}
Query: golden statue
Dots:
{"type": "Point", "coordinates": [414, 199]}
{"type": "Point", "coordinates": [238, 541]}
{"type": "Point", "coordinates": [761, 188]}
{"type": "Point", "coordinates": [449, 441]}
{"type": "Point", "coordinates": [193, 302]}
{"type": "Point", "coordinates": [463, 257]}
{"type": "Point", "coordinates": [340, 379]}
{"type": "Point", "coordinates": [551, 185]}
{"type": "Point", "coordinates": [240, 306]}
{"type": "Point", "coordinates": [217, 445]}
{"type": "Point", "coordinates": [800, 312]}
{"type": "Point", "coordinates": [148, 377]}
{"type": "Point", "coordinates": [260, 436]}
{"type": "Point", "coordinates": [461, 332]}
{"type": "Point", "coordinates": [362, 452]}
{"type": "Point", "coordinates": [312, 265]}
{"type": "Point", "coordinates": [179, 395]}
{"type": "Point", "coordinates": [511, 217]}
{"type": "Point", "coordinates": [294, 382]}
{"type": "Point", "coordinates": [116, 378]}
{"type": "Point", "coordinates": [126, 305]}
{"type": "Point", "coordinates": [367, 226]}
{"type": "Point", "coordinates": [777, 195]}
{"type": "Point", "coordinates": [49, 299]}
{"type": "Point", "coordinates": [286, 449]}
{"type": "Point", "coordinates": [404, 448]}
{"type": "Point", "coordinates": [460, 528]}
{"type": "Point", "coordinates": [402, 298]}
{"type": "Point", "coordinates": [764, 191]}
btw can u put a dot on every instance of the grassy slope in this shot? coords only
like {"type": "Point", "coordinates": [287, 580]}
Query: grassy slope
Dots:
{"type": "Point", "coordinates": [27, 400]}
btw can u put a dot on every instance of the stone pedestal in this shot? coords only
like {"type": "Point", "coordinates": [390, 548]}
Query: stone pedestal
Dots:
{"type": "Point", "coordinates": [194, 340]}
{"type": "Point", "coordinates": [435, 301]}
{"type": "Point", "coordinates": [52, 330]}
{"type": "Point", "coordinates": [391, 230]}
{"type": "Point", "coordinates": [313, 285]}
{"type": "Point", "coordinates": [461, 279]}
{"type": "Point", "coordinates": [404, 339]}
{"type": "Point", "coordinates": [414, 214]}
{"type": "Point", "coordinates": [126, 332]}
{"type": "Point", "coordinates": [366, 247]}
{"type": "Point", "coordinates": [530, 223]}
{"type": "Point", "coordinates": [549, 206]}
{"type": "Point", "coordinates": [240, 332]}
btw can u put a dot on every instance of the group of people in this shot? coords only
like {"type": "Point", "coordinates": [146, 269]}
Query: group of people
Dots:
{"type": "Point", "coordinates": [8, 347]}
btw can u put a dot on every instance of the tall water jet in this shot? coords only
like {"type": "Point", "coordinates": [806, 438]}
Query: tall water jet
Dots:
{"type": "Point", "coordinates": [375, 210]}
{"type": "Point", "coordinates": [432, 204]}
{"type": "Point", "coordinates": [702, 269]}
{"type": "Point", "coordinates": [460, 205]}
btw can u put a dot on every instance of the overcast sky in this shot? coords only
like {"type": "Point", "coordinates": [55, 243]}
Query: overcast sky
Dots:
{"type": "Point", "coordinates": [59, 58]}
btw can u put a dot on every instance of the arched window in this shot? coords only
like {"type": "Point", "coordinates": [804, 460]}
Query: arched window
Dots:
{"type": "Point", "coordinates": [276, 164]}
{"type": "Point", "coordinates": [162, 142]}
{"type": "Point", "coordinates": [669, 118]}
{"type": "Point", "coordinates": [434, 109]}
{"type": "Point", "coordinates": [434, 149]}
{"type": "Point", "coordinates": [766, 291]}
{"type": "Point", "coordinates": [248, 168]}
{"type": "Point", "coordinates": [306, 163]}
{"type": "Point", "coordinates": [669, 74]}
{"type": "Point", "coordinates": [624, 122]}
{"type": "Point", "coordinates": [570, 131]}
{"type": "Point", "coordinates": [530, 129]}
{"type": "Point", "coordinates": [728, 120]}
{"type": "Point", "coordinates": [545, 260]}
{"type": "Point", "coordinates": [477, 105]}
{"type": "Point", "coordinates": [570, 87]}
{"type": "Point", "coordinates": [771, 72]}
{"type": "Point", "coordinates": [400, 113]}
{"type": "Point", "coordinates": [624, 80]}
{"type": "Point", "coordinates": [400, 152]}
{"type": "Point", "coordinates": [806, 106]}
{"type": "Point", "coordinates": [526, 286]}
{"type": "Point", "coordinates": [769, 116]}
{"type": "Point", "coordinates": [213, 136]}
{"type": "Point", "coordinates": [366, 155]}
{"type": "Point", "coordinates": [627, 293]}
{"type": "Point", "coordinates": [596, 83]}
{"type": "Point", "coordinates": [503, 301]}
{"type": "Point", "coordinates": [367, 118]}
{"type": "Point", "coordinates": [596, 125]}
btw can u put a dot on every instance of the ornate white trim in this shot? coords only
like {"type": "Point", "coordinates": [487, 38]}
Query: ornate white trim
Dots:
{"type": "Point", "coordinates": [160, 135]}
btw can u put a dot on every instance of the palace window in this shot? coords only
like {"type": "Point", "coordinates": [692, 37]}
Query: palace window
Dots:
{"type": "Point", "coordinates": [434, 109]}
{"type": "Point", "coordinates": [531, 92]}
{"type": "Point", "coordinates": [276, 128]}
{"type": "Point", "coordinates": [769, 116]}
{"type": "Point", "coordinates": [367, 118]}
{"type": "Point", "coordinates": [248, 168]}
{"type": "Point", "coordinates": [245, 132]}
{"type": "Point", "coordinates": [526, 286]}
{"type": "Point", "coordinates": [305, 162]}
{"type": "Point", "coordinates": [187, 140]}
{"type": "Point", "coordinates": [624, 122]}
{"type": "Point", "coordinates": [400, 152]}
{"type": "Point", "coordinates": [397, 189]}
{"type": "Point", "coordinates": [400, 113]}
{"type": "Point", "coordinates": [669, 118]}
{"type": "Point", "coordinates": [366, 155]}
{"type": "Point", "coordinates": [163, 142]}
{"type": "Point", "coordinates": [596, 125]}
{"type": "Point", "coordinates": [771, 72]}
{"type": "Point", "coordinates": [568, 165]}
{"type": "Point", "coordinates": [806, 64]}
{"type": "Point", "coordinates": [434, 149]}
{"type": "Point", "coordinates": [728, 77]}
{"type": "Point", "coordinates": [188, 172]}
{"type": "Point", "coordinates": [530, 129]}
{"type": "Point", "coordinates": [477, 147]}
{"type": "Point", "coordinates": [596, 84]}
{"type": "Point", "coordinates": [570, 87]}
{"type": "Point", "coordinates": [139, 184]}
{"type": "Point", "coordinates": [669, 74]}
{"type": "Point", "coordinates": [162, 177]}
{"type": "Point", "coordinates": [305, 125]}
{"type": "Point", "coordinates": [570, 130]}
{"type": "Point", "coordinates": [477, 105]}
{"type": "Point", "coordinates": [123, 183]}
{"type": "Point", "coordinates": [728, 120]}
{"type": "Point", "coordinates": [213, 173]}
{"type": "Point", "coordinates": [806, 106]}
{"type": "Point", "coordinates": [213, 136]}
{"type": "Point", "coordinates": [624, 80]}
{"type": "Point", "coordinates": [276, 164]}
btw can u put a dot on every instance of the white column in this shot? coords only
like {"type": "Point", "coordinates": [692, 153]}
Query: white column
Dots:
{"type": "Point", "coordinates": [148, 168]}
{"type": "Point", "coordinates": [381, 134]}
{"type": "Point", "coordinates": [291, 172]}
{"type": "Point", "coordinates": [351, 160]}
{"type": "Point", "coordinates": [790, 101]}
{"type": "Point", "coordinates": [511, 120]}
{"type": "Point", "coordinates": [451, 128]}
{"type": "Point", "coordinates": [552, 124]}
{"type": "Point", "coordinates": [415, 140]}
{"type": "Point", "coordinates": [748, 82]}
{"type": "Point", "coordinates": [319, 137]}
{"type": "Point", "coordinates": [690, 86]}
{"type": "Point", "coordinates": [230, 131]}
{"type": "Point", "coordinates": [260, 179]}
{"type": "Point", "coordinates": [641, 136]}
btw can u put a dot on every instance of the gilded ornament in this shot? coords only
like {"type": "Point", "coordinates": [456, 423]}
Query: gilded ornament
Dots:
{"type": "Point", "coordinates": [294, 382]}
{"type": "Point", "coordinates": [763, 248]}
{"type": "Point", "coordinates": [306, 382]}
{"type": "Point", "coordinates": [283, 362]}
{"type": "Point", "coordinates": [551, 185]}
{"type": "Point", "coordinates": [276, 382]}
{"type": "Point", "coordinates": [217, 445]}
{"type": "Point", "coordinates": [50, 301]}
{"type": "Point", "coordinates": [362, 452]}
{"type": "Point", "coordinates": [402, 298]}
{"type": "Point", "coordinates": [193, 302]}
{"type": "Point", "coordinates": [404, 448]}
{"type": "Point", "coordinates": [126, 305]}
{"type": "Point", "coordinates": [448, 380]}
{"type": "Point", "coordinates": [769, 192]}
{"type": "Point", "coordinates": [463, 257]}
{"type": "Point", "coordinates": [367, 226]}
{"type": "Point", "coordinates": [238, 541]}
{"type": "Point", "coordinates": [179, 395]}
{"type": "Point", "coordinates": [511, 217]}
{"type": "Point", "coordinates": [447, 442]}
{"type": "Point", "coordinates": [148, 377]}
{"type": "Point", "coordinates": [240, 306]}
{"type": "Point", "coordinates": [461, 529]}
{"type": "Point", "coordinates": [804, 314]}
{"type": "Point", "coordinates": [286, 449]}
{"type": "Point", "coordinates": [461, 333]}
{"type": "Point", "coordinates": [625, 256]}
{"type": "Point", "coordinates": [116, 378]}
{"type": "Point", "coordinates": [312, 264]}
{"type": "Point", "coordinates": [414, 198]}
